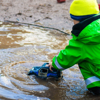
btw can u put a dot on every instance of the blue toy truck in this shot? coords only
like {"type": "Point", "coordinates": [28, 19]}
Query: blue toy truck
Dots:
{"type": "Point", "coordinates": [44, 72]}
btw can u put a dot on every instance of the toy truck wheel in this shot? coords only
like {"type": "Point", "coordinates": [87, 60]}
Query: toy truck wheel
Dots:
{"type": "Point", "coordinates": [59, 78]}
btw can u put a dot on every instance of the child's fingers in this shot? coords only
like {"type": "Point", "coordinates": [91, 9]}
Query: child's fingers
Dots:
{"type": "Point", "coordinates": [50, 68]}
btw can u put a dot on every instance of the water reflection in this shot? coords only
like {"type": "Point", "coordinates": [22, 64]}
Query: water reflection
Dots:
{"type": "Point", "coordinates": [23, 47]}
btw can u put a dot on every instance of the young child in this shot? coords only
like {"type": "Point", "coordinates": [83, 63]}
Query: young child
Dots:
{"type": "Point", "coordinates": [84, 47]}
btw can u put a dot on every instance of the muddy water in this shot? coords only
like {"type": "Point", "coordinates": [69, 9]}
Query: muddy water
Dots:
{"type": "Point", "coordinates": [23, 47]}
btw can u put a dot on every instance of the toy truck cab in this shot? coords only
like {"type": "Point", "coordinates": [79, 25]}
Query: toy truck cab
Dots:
{"type": "Point", "coordinates": [43, 72]}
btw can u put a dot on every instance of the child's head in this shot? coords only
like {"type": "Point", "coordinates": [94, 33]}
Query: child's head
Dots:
{"type": "Point", "coordinates": [82, 9]}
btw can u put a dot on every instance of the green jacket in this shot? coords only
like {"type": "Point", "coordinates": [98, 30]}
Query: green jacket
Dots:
{"type": "Point", "coordinates": [84, 50]}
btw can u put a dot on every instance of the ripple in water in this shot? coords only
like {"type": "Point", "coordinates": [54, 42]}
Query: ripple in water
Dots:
{"type": "Point", "coordinates": [24, 47]}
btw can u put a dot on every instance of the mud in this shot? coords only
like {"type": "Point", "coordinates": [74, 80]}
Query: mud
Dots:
{"type": "Point", "coordinates": [34, 46]}
{"type": "Point", "coordinates": [47, 13]}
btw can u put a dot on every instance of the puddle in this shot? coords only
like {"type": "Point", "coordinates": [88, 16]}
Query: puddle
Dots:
{"type": "Point", "coordinates": [23, 47]}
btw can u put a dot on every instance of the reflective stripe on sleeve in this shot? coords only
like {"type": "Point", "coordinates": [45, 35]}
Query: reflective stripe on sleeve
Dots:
{"type": "Point", "coordinates": [58, 65]}
{"type": "Point", "coordinates": [91, 80]}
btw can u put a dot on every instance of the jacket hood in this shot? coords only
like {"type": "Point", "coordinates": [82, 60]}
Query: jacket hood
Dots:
{"type": "Point", "coordinates": [88, 31]}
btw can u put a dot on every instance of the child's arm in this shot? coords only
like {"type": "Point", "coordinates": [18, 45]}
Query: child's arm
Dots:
{"type": "Point", "coordinates": [72, 54]}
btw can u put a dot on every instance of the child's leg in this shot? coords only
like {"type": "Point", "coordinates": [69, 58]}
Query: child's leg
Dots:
{"type": "Point", "coordinates": [95, 90]}
{"type": "Point", "coordinates": [91, 75]}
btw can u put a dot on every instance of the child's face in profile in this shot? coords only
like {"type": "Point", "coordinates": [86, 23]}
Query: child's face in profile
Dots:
{"type": "Point", "coordinates": [76, 21]}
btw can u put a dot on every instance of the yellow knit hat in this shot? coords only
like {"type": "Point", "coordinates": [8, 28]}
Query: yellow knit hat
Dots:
{"type": "Point", "coordinates": [84, 7]}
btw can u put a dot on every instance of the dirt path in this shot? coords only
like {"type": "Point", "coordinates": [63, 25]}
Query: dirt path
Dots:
{"type": "Point", "coordinates": [42, 12]}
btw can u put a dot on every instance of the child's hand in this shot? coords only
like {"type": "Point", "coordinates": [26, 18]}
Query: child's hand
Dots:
{"type": "Point", "coordinates": [50, 66]}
